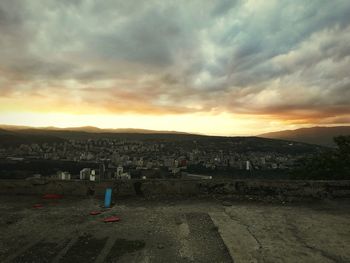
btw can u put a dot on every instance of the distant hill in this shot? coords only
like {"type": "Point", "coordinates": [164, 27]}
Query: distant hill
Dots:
{"type": "Point", "coordinates": [25, 135]}
{"type": "Point", "coordinates": [90, 129]}
{"type": "Point", "coordinates": [83, 135]}
{"type": "Point", "coordinates": [315, 135]}
{"type": "Point", "coordinates": [13, 135]}
{"type": "Point", "coordinates": [15, 138]}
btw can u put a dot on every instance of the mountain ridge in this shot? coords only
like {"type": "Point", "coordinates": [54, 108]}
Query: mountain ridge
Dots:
{"type": "Point", "coordinates": [240, 143]}
{"type": "Point", "coordinates": [90, 129]}
{"type": "Point", "coordinates": [320, 135]}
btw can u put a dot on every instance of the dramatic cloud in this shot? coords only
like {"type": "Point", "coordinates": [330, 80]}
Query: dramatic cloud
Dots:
{"type": "Point", "coordinates": [287, 60]}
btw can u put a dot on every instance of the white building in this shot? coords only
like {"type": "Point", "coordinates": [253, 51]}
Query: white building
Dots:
{"type": "Point", "coordinates": [85, 174]}
{"type": "Point", "coordinates": [119, 170]}
{"type": "Point", "coordinates": [197, 176]}
{"type": "Point", "coordinates": [248, 167]}
{"type": "Point", "coordinates": [93, 175]}
{"type": "Point", "coordinates": [119, 174]}
{"type": "Point", "coordinates": [63, 176]}
{"type": "Point", "coordinates": [88, 174]}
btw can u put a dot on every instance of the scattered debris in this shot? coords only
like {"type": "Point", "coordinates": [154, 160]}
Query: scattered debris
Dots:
{"type": "Point", "coordinates": [94, 213]}
{"type": "Point", "coordinates": [111, 219]}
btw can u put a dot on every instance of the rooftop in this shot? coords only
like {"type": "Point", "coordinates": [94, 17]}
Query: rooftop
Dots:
{"type": "Point", "coordinates": [193, 230]}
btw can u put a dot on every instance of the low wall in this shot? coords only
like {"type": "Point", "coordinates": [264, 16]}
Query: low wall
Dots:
{"type": "Point", "coordinates": [184, 188]}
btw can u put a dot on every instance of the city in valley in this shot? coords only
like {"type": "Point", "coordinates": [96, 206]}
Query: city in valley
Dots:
{"type": "Point", "coordinates": [99, 156]}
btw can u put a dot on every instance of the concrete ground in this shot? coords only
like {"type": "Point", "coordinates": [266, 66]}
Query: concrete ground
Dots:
{"type": "Point", "coordinates": [173, 231]}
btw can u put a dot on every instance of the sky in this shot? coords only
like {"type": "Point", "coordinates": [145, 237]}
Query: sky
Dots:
{"type": "Point", "coordinates": [213, 67]}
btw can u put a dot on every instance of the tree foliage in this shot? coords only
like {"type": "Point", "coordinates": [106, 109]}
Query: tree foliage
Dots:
{"type": "Point", "coordinates": [331, 165]}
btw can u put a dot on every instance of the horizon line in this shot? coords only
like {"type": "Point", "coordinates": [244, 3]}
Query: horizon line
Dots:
{"type": "Point", "coordinates": [2, 125]}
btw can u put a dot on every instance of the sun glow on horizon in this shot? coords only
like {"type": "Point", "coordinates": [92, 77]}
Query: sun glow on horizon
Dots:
{"type": "Point", "coordinates": [234, 68]}
{"type": "Point", "coordinates": [223, 124]}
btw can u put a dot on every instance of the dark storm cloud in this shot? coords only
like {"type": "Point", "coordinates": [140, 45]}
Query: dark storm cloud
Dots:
{"type": "Point", "coordinates": [282, 58]}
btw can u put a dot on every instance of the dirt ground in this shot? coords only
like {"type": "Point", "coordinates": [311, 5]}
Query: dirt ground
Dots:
{"type": "Point", "coordinates": [193, 230]}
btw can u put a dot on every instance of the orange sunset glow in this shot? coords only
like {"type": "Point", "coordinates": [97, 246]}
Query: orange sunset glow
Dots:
{"type": "Point", "coordinates": [221, 68]}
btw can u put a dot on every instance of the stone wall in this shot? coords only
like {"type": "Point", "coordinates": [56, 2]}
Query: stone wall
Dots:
{"type": "Point", "coordinates": [181, 188]}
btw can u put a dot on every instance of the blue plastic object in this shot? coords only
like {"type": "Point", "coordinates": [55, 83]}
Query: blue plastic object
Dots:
{"type": "Point", "coordinates": [108, 197]}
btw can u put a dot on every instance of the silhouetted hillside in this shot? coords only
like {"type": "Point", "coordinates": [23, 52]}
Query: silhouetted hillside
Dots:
{"type": "Point", "coordinates": [82, 135]}
{"type": "Point", "coordinates": [315, 135]}
{"type": "Point", "coordinates": [238, 144]}
{"type": "Point", "coordinates": [12, 138]}
{"type": "Point", "coordinates": [89, 129]}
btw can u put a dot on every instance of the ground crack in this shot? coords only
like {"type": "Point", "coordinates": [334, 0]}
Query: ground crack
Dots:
{"type": "Point", "coordinates": [248, 229]}
{"type": "Point", "coordinates": [295, 233]}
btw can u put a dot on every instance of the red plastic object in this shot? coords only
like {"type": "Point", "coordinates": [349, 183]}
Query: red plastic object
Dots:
{"type": "Point", "coordinates": [52, 196]}
{"type": "Point", "coordinates": [111, 219]}
{"type": "Point", "coordinates": [38, 206]}
{"type": "Point", "coordinates": [93, 213]}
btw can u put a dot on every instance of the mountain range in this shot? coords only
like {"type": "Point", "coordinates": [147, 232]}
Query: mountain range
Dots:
{"type": "Point", "coordinates": [11, 134]}
{"type": "Point", "coordinates": [314, 135]}
{"type": "Point", "coordinates": [16, 137]}
{"type": "Point", "coordinates": [90, 129]}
